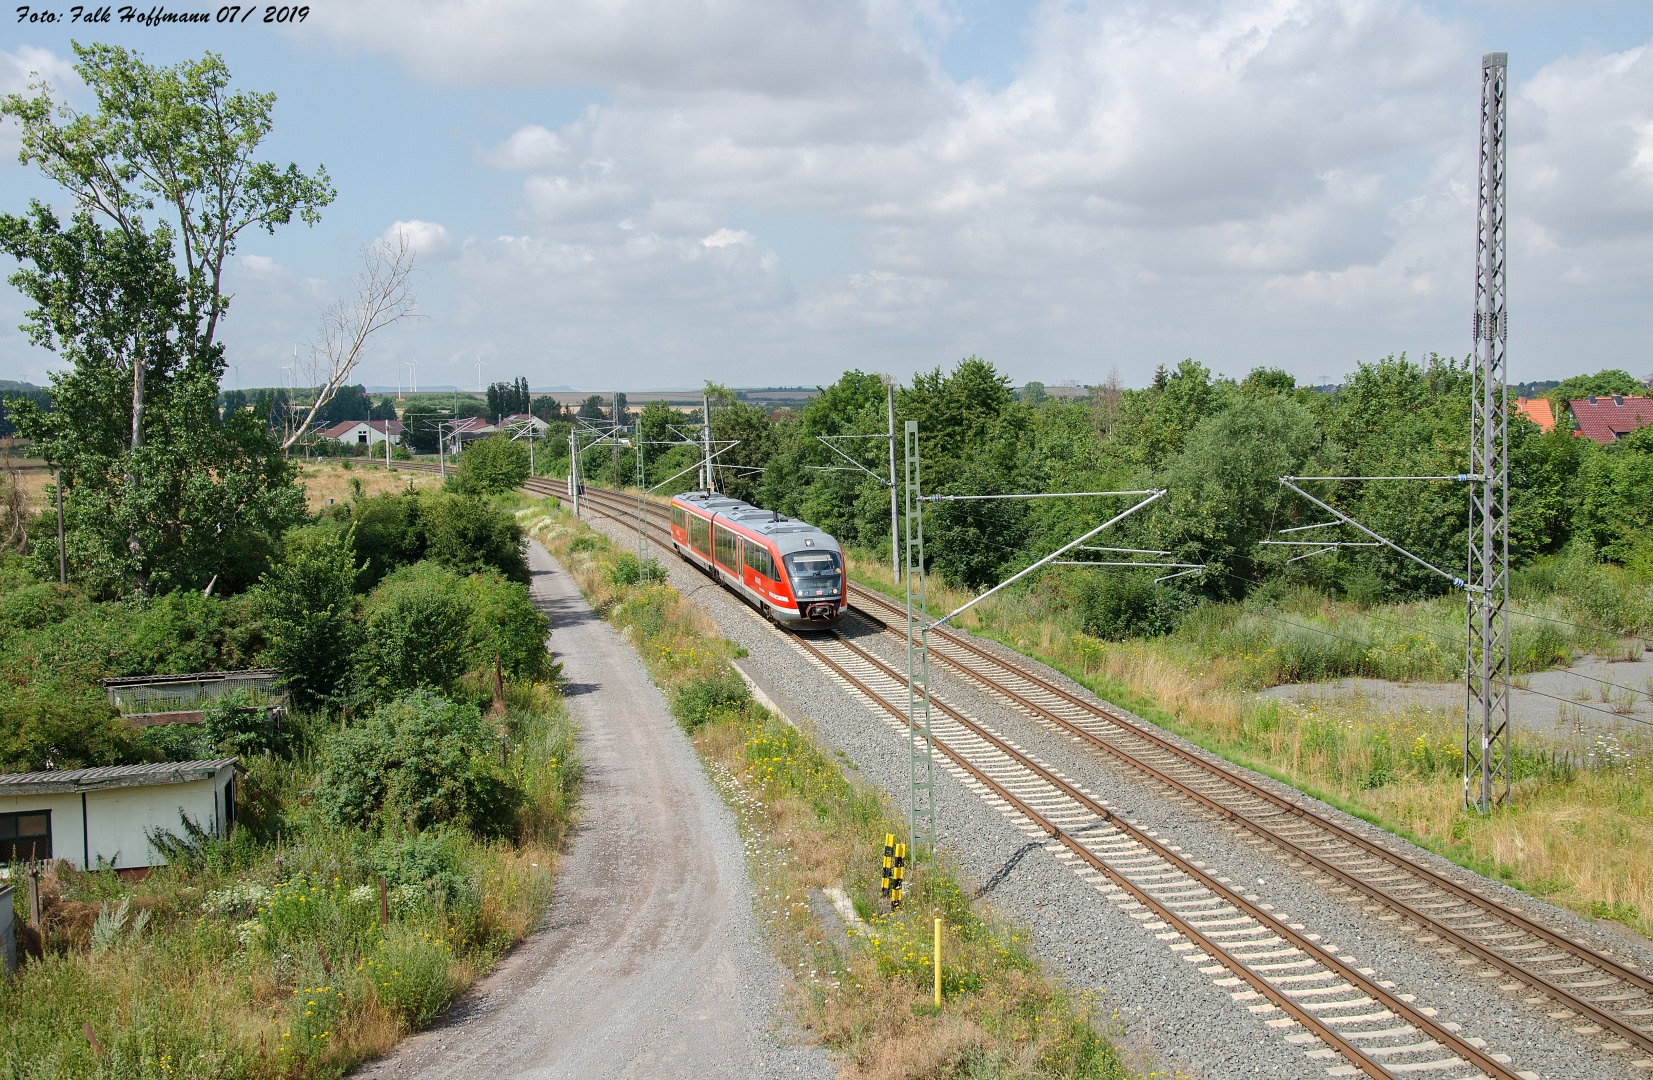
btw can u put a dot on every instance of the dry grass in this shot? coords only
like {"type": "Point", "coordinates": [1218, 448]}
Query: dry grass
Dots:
{"type": "Point", "coordinates": [1579, 832]}
{"type": "Point", "coordinates": [326, 482]}
{"type": "Point", "coordinates": [32, 474]}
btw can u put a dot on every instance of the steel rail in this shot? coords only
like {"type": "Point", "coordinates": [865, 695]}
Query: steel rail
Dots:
{"type": "Point", "coordinates": [1511, 967]}
{"type": "Point", "coordinates": [1470, 1053]}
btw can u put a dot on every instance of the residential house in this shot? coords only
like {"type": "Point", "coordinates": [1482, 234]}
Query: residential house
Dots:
{"type": "Point", "coordinates": [1608, 418]}
{"type": "Point", "coordinates": [364, 432]}
{"type": "Point", "coordinates": [518, 421]}
{"type": "Point", "coordinates": [1539, 411]}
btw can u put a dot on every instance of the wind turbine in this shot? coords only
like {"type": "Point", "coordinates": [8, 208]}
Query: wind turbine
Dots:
{"type": "Point", "coordinates": [480, 363]}
{"type": "Point", "coordinates": [413, 370]}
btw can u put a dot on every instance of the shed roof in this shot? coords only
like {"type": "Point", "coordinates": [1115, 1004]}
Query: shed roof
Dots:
{"type": "Point", "coordinates": [70, 781]}
{"type": "Point", "coordinates": [1609, 417]}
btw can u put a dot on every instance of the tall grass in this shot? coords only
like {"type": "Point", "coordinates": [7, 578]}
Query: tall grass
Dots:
{"type": "Point", "coordinates": [265, 959]}
{"type": "Point", "coordinates": [808, 826]}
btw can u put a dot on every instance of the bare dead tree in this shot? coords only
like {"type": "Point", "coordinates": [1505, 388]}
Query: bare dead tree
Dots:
{"type": "Point", "coordinates": [384, 295]}
{"type": "Point", "coordinates": [14, 510]}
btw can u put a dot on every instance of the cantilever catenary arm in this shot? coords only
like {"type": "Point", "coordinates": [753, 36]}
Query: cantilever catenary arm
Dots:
{"type": "Point", "coordinates": [1457, 582]}
{"type": "Point", "coordinates": [1063, 550]}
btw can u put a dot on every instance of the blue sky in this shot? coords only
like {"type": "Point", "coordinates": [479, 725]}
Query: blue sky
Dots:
{"type": "Point", "coordinates": [645, 194]}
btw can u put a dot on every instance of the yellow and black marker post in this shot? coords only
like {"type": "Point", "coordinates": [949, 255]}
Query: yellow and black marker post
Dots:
{"type": "Point", "coordinates": [889, 862]}
{"type": "Point", "coordinates": [898, 872]}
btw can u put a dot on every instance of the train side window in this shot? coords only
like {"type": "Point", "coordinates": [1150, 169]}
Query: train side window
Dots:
{"type": "Point", "coordinates": [725, 553]}
{"type": "Point", "coordinates": [677, 515]}
{"type": "Point", "coordinates": [700, 534]}
{"type": "Point", "coordinates": [27, 835]}
{"type": "Point", "coordinates": [758, 559]}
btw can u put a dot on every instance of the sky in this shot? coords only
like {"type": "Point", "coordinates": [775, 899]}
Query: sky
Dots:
{"type": "Point", "coordinates": [636, 194]}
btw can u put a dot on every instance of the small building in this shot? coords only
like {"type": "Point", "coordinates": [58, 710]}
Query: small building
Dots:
{"type": "Point", "coordinates": [524, 421]}
{"type": "Point", "coordinates": [1607, 418]}
{"type": "Point", "coordinates": [470, 428]}
{"type": "Point", "coordinates": [147, 700]}
{"type": "Point", "coordinates": [104, 816]}
{"type": "Point", "coordinates": [1539, 411]}
{"type": "Point", "coordinates": [364, 432]}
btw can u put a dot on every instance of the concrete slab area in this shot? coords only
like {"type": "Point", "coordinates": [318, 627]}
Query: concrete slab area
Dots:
{"type": "Point", "coordinates": [649, 963]}
{"type": "Point", "coordinates": [1591, 697]}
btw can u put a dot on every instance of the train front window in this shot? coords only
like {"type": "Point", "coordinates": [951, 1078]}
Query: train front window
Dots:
{"type": "Point", "coordinates": [815, 573]}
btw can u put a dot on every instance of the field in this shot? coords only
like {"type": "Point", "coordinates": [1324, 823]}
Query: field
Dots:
{"type": "Point", "coordinates": [341, 480]}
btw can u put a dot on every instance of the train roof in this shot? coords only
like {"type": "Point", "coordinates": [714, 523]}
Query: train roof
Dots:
{"type": "Point", "coordinates": [789, 533]}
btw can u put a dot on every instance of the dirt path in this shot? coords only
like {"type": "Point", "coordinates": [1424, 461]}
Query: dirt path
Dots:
{"type": "Point", "coordinates": [648, 964]}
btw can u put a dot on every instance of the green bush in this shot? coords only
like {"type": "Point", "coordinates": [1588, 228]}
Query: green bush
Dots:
{"type": "Point", "coordinates": [410, 974]}
{"type": "Point", "coordinates": [697, 700]}
{"type": "Point", "coordinates": [388, 534]}
{"type": "Point", "coordinates": [493, 466]}
{"type": "Point", "coordinates": [629, 570]}
{"type": "Point", "coordinates": [309, 603]}
{"type": "Point", "coordinates": [418, 626]}
{"type": "Point", "coordinates": [503, 622]}
{"type": "Point", "coordinates": [418, 761]}
{"type": "Point", "coordinates": [427, 627]}
{"type": "Point", "coordinates": [1114, 606]}
{"type": "Point", "coordinates": [469, 534]}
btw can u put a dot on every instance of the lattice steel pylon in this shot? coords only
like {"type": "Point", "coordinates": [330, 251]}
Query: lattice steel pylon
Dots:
{"type": "Point", "coordinates": [921, 788]}
{"type": "Point", "coordinates": [1487, 651]}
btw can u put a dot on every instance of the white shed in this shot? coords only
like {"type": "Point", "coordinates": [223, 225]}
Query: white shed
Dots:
{"type": "Point", "coordinates": [88, 816]}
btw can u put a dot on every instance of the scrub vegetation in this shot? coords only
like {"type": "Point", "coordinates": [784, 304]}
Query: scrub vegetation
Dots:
{"type": "Point", "coordinates": [809, 824]}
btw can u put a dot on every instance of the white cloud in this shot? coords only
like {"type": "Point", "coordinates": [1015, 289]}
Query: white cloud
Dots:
{"type": "Point", "coordinates": [19, 71]}
{"type": "Point", "coordinates": [431, 241]}
{"type": "Point", "coordinates": [529, 147]}
{"type": "Point", "coordinates": [725, 237]}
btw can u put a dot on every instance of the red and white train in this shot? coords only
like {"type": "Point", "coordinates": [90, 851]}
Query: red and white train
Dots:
{"type": "Point", "coordinates": [788, 569]}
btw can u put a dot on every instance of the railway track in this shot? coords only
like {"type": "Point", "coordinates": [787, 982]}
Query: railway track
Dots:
{"type": "Point", "coordinates": [1573, 983]}
{"type": "Point", "coordinates": [1377, 1031]}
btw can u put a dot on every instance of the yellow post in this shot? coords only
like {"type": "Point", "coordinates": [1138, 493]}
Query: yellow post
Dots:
{"type": "Point", "coordinates": [938, 961]}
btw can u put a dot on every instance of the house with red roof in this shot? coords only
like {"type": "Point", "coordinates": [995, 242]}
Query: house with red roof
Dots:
{"type": "Point", "coordinates": [1538, 410]}
{"type": "Point", "coordinates": [364, 432]}
{"type": "Point", "coordinates": [1607, 418]}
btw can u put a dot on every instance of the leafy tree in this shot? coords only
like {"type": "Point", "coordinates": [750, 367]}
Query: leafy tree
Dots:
{"type": "Point", "coordinates": [547, 408]}
{"type": "Point", "coordinates": [419, 422]}
{"type": "Point", "coordinates": [173, 139]}
{"type": "Point", "coordinates": [308, 601]}
{"type": "Point", "coordinates": [507, 399]}
{"type": "Point", "coordinates": [1616, 488]}
{"type": "Point", "coordinates": [1223, 487]}
{"type": "Point", "coordinates": [503, 622]}
{"type": "Point", "coordinates": [1154, 422]}
{"type": "Point", "coordinates": [592, 408]}
{"type": "Point", "coordinates": [389, 532]}
{"type": "Point", "coordinates": [494, 465]}
{"type": "Point", "coordinates": [159, 491]}
{"type": "Point", "coordinates": [176, 497]}
{"type": "Point", "coordinates": [348, 403]}
{"type": "Point", "coordinates": [1603, 383]}
{"type": "Point", "coordinates": [740, 472]}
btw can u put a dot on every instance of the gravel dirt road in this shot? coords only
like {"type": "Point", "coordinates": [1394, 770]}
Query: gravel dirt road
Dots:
{"type": "Point", "coordinates": [649, 963]}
